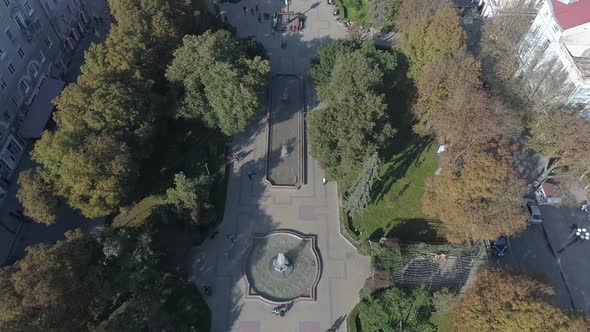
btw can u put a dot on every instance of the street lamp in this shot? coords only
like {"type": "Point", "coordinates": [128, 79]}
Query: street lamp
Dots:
{"type": "Point", "coordinates": [580, 235]}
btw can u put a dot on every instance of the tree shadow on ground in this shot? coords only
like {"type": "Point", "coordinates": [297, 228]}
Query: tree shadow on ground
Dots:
{"type": "Point", "coordinates": [402, 157]}
{"type": "Point", "coordinates": [416, 230]}
{"type": "Point", "coordinates": [180, 146]}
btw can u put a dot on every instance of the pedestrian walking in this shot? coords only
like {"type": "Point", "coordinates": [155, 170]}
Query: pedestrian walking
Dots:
{"type": "Point", "coordinates": [324, 181]}
{"type": "Point", "coordinates": [245, 10]}
{"type": "Point", "coordinates": [259, 20]}
{"type": "Point", "coordinates": [225, 19]}
{"type": "Point", "coordinates": [252, 11]}
{"type": "Point", "coordinates": [257, 7]}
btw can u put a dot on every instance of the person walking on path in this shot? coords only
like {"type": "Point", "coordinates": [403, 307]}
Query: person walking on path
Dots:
{"type": "Point", "coordinates": [257, 7]}
{"type": "Point", "coordinates": [251, 175]}
{"type": "Point", "coordinates": [252, 11]}
{"type": "Point", "coordinates": [245, 10]}
{"type": "Point", "coordinates": [324, 181]}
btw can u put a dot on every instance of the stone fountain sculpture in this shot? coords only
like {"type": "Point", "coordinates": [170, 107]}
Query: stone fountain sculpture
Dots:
{"type": "Point", "coordinates": [281, 267]}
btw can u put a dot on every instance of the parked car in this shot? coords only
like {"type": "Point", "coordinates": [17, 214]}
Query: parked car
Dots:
{"type": "Point", "coordinates": [500, 246]}
{"type": "Point", "coordinates": [531, 207]}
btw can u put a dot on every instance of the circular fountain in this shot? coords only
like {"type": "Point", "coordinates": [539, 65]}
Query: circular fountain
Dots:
{"type": "Point", "coordinates": [283, 266]}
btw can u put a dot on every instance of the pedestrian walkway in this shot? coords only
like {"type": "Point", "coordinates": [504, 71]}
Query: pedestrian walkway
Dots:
{"type": "Point", "coordinates": [251, 207]}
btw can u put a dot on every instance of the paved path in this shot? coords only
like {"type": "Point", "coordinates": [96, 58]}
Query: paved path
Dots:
{"type": "Point", "coordinates": [251, 207]}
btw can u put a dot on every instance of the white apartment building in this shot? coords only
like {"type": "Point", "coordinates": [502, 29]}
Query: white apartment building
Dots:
{"type": "Point", "coordinates": [36, 40]}
{"type": "Point", "coordinates": [559, 37]}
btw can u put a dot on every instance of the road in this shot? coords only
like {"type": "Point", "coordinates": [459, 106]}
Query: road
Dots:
{"type": "Point", "coordinates": [535, 251]}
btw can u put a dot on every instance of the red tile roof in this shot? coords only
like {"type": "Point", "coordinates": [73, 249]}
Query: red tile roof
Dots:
{"type": "Point", "coordinates": [572, 15]}
{"type": "Point", "coordinates": [551, 190]}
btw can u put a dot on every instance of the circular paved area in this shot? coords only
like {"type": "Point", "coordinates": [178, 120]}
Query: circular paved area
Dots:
{"type": "Point", "coordinates": [252, 208]}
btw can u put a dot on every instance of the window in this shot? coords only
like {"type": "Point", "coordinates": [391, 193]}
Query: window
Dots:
{"type": "Point", "coordinates": [19, 21]}
{"type": "Point", "coordinates": [555, 28]}
{"type": "Point", "coordinates": [34, 70]}
{"type": "Point", "coordinates": [42, 56]}
{"type": "Point", "coordinates": [37, 25]}
{"type": "Point", "coordinates": [9, 34]}
{"type": "Point", "coordinates": [28, 8]}
{"type": "Point", "coordinates": [7, 3]}
{"type": "Point", "coordinates": [14, 148]}
{"type": "Point", "coordinates": [14, 101]}
{"type": "Point", "coordinates": [24, 87]}
{"type": "Point", "coordinates": [21, 53]}
{"type": "Point", "coordinates": [2, 84]}
{"type": "Point", "coordinates": [4, 169]}
{"type": "Point", "coordinates": [11, 68]}
{"type": "Point", "coordinates": [48, 42]}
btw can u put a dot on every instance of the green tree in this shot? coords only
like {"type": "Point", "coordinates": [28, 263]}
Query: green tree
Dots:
{"type": "Point", "coordinates": [56, 286]}
{"type": "Point", "coordinates": [38, 197]}
{"type": "Point", "coordinates": [223, 87]}
{"type": "Point", "coordinates": [397, 309]}
{"type": "Point", "coordinates": [499, 300]}
{"type": "Point", "coordinates": [95, 174]}
{"type": "Point", "coordinates": [439, 36]}
{"type": "Point", "coordinates": [354, 122]}
{"type": "Point", "coordinates": [358, 195]}
{"type": "Point", "coordinates": [191, 195]}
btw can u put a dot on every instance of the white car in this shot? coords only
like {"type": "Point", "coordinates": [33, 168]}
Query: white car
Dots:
{"type": "Point", "coordinates": [533, 210]}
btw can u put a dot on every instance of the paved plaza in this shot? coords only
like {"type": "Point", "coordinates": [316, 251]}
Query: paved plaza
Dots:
{"type": "Point", "coordinates": [251, 207]}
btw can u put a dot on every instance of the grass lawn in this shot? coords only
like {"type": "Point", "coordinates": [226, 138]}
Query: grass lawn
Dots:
{"type": "Point", "coordinates": [397, 198]}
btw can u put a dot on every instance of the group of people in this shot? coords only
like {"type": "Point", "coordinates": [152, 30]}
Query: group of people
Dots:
{"type": "Point", "coordinates": [281, 310]}
{"type": "Point", "coordinates": [261, 15]}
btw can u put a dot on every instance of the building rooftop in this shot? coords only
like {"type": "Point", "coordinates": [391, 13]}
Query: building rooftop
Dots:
{"type": "Point", "coordinates": [573, 14]}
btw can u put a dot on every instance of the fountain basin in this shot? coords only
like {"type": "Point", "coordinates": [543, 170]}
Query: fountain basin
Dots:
{"type": "Point", "coordinates": [298, 282]}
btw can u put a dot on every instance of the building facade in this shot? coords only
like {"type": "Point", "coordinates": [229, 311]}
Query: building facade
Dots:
{"type": "Point", "coordinates": [36, 40]}
{"type": "Point", "coordinates": [556, 51]}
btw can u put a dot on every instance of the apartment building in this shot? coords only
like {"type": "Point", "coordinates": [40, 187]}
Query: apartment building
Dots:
{"type": "Point", "coordinates": [36, 40]}
{"type": "Point", "coordinates": [559, 37]}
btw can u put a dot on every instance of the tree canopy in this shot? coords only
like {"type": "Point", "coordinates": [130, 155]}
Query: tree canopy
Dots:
{"type": "Point", "coordinates": [432, 37]}
{"type": "Point", "coordinates": [397, 309]}
{"type": "Point", "coordinates": [480, 198]}
{"type": "Point", "coordinates": [223, 87]}
{"type": "Point", "coordinates": [38, 197]}
{"type": "Point", "coordinates": [355, 119]}
{"type": "Point", "coordinates": [358, 196]}
{"type": "Point", "coordinates": [565, 137]}
{"type": "Point", "coordinates": [106, 120]}
{"type": "Point", "coordinates": [81, 284]}
{"type": "Point", "coordinates": [54, 286]}
{"type": "Point", "coordinates": [438, 83]}
{"type": "Point", "coordinates": [502, 301]}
